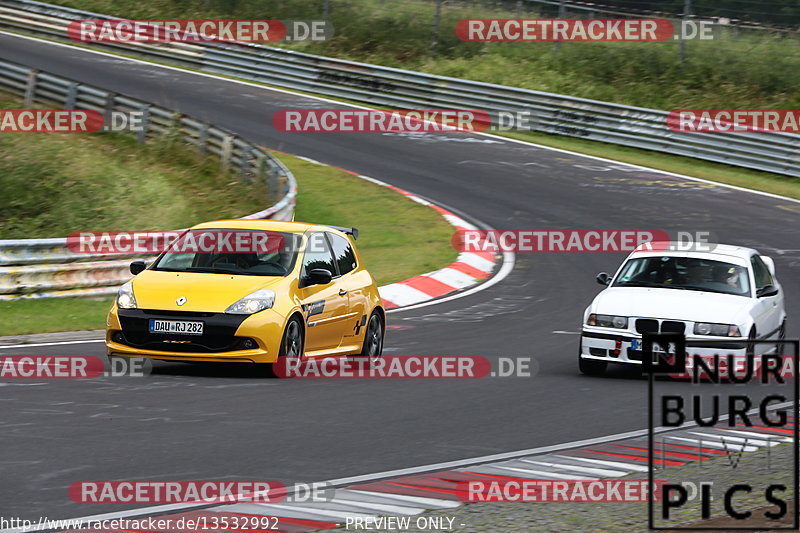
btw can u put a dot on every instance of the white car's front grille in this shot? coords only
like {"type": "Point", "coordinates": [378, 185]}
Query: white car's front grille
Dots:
{"type": "Point", "coordinates": [654, 325]}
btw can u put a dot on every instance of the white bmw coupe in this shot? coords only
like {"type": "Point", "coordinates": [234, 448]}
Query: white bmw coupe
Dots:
{"type": "Point", "coordinates": [728, 293]}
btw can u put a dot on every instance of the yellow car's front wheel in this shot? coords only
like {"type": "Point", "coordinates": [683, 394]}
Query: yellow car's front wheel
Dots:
{"type": "Point", "coordinates": [292, 344]}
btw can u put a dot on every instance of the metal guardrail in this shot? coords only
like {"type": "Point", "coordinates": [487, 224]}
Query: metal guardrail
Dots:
{"type": "Point", "coordinates": [46, 267]}
{"type": "Point", "coordinates": [556, 114]}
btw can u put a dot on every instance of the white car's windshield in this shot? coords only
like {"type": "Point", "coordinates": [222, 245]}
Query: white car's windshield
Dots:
{"type": "Point", "coordinates": [688, 273]}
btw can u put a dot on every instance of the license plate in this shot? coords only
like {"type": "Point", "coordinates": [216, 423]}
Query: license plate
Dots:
{"type": "Point", "coordinates": [182, 327]}
{"type": "Point", "coordinates": [637, 344]}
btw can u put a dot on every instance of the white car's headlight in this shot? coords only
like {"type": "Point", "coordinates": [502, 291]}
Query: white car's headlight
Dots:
{"type": "Point", "coordinates": [253, 303]}
{"type": "Point", "coordinates": [717, 330]}
{"type": "Point", "coordinates": [607, 321]}
{"type": "Point", "coordinates": [125, 297]}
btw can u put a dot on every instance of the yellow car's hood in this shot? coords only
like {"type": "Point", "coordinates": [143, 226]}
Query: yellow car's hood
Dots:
{"type": "Point", "coordinates": [211, 293]}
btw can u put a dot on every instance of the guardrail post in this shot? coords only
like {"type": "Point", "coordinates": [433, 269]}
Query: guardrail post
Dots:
{"type": "Point", "coordinates": [202, 138]}
{"type": "Point", "coordinates": [261, 168]}
{"type": "Point", "coordinates": [274, 181]}
{"type": "Point", "coordinates": [141, 135]}
{"type": "Point", "coordinates": [687, 12]}
{"type": "Point", "coordinates": [30, 88]}
{"type": "Point", "coordinates": [227, 150]}
{"type": "Point", "coordinates": [247, 155]}
{"type": "Point", "coordinates": [72, 95]}
{"type": "Point", "coordinates": [108, 110]}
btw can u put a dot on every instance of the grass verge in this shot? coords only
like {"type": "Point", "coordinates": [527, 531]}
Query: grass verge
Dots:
{"type": "Point", "coordinates": [22, 317]}
{"type": "Point", "coordinates": [398, 239]}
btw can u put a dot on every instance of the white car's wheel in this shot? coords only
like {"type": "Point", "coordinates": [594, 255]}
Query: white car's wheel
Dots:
{"type": "Point", "coordinates": [779, 348]}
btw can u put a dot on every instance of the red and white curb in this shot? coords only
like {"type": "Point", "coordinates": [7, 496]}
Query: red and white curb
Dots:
{"type": "Point", "coordinates": [469, 269]}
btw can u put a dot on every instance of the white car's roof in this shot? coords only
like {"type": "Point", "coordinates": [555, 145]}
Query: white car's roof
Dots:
{"type": "Point", "coordinates": [720, 252]}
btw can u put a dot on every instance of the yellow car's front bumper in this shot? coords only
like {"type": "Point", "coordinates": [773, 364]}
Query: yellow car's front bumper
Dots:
{"type": "Point", "coordinates": [227, 338]}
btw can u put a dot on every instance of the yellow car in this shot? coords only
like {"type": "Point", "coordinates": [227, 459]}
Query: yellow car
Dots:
{"type": "Point", "coordinates": [255, 291]}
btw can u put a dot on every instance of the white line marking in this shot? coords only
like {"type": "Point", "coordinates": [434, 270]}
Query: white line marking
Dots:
{"type": "Point", "coordinates": [729, 438]}
{"type": "Point", "coordinates": [632, 467]}
{"type": "Point", "coordinates": [476, 261]}
{"type": "Point", "coordinates": [381, 508]}
{"type": "Point", "coordinates": [390, 508]}
{"type": "Point", "coordinates": [49, 344]}
{"type": "Point", "coordinates": [401, 294]}
{"type": "Point", "coordinates": [760, 436]}
{"type": "Point", "coordinates": [531, 474]}
{"type": "Point", "coordinates": [421, 500]}
{"type": "Point", "coordinates": [452, 278]}
{"type": "Point", "coordinates": [271, 508]}
{"type": "Point", "coordinates": [576, 468]}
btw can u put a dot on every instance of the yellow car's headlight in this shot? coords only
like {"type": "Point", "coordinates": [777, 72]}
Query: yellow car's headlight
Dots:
{"type": "Point", "coordinates": [252, 303]}
{"type": "Point", "coordinates": [125, 297]}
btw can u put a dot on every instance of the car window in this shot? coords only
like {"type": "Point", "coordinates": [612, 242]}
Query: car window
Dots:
{"type": "Point", "coordinates": [240, 252]}
{"type": "Point", "coordinates": [342, 253]}
{"type": "Point", "coordinates": [761, 272]}
{"type": "Point", "coordinates": [318, 255]}
{"type": "Point", "coordinates": [684, 273]}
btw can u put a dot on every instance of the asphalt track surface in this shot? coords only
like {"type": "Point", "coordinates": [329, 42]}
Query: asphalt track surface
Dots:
{"type": "Point", "coordinates": [186, 422]}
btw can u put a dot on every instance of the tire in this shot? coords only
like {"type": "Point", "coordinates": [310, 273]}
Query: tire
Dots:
{"type": "Point", "coordinates": [292, 346]}
{"type": "Point", "coordinates": [373, 337]}
{"type": "Point", "coordinates": [781, 337]}
{"type": "Point", "coordinates": [590, 367]}
{"type": "Point", "coordinates": [750, 347]}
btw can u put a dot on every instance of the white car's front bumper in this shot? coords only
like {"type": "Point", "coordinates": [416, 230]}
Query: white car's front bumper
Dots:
{"type": "Point", "coordinates": [616, 346]}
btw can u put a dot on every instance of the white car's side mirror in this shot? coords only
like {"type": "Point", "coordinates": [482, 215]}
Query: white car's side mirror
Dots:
{"type": "Point", "coordinates": [770, 264]}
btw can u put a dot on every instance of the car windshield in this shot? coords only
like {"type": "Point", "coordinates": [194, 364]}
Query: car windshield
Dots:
{"type": "Point", "coordinates": [687, 273]}
{"type": "Point", "coordinates": [231, 251]}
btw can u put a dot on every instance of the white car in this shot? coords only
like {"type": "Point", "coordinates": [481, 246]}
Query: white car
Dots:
{"type": "Point", "coordinates": [729, 293]}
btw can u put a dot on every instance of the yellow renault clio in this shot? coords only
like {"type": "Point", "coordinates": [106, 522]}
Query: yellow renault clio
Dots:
{"type": "Point", "coordinates": [250, 291]}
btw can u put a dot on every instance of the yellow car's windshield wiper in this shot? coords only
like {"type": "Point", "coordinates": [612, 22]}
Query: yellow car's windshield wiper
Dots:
{"type": "Point", "coordinates": [210, 270]}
